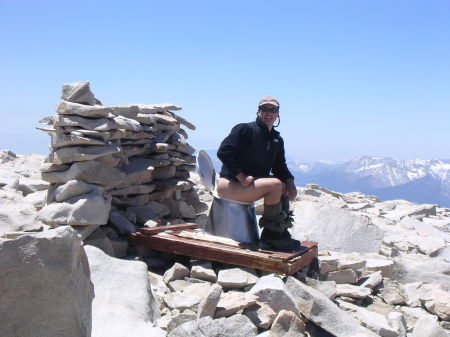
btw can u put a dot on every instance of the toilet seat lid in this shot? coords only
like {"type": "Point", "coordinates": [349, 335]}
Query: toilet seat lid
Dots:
{"type": "Point", "coordinates": [206, 171]}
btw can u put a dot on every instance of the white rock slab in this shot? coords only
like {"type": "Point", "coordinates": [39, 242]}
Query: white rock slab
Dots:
{"type": "Point", "coordinates": [87, 209]}
{"type": "Point", "coordinates": [352, 291]}
{"type": "Point", "coordinates": [428, 327]}
{"type": "Point", "coordinates": [237, 325]}
{"type": "Point", "coordinates": [233, 301]}
{"type": "Point", "coordinates": [45, 286]}
{"type": "Point", "coordinates": [261, 315]}
{"type": "Point", "coordinates": [236, 278]}
{"type": "Point", "coordinates": [204, 271]}
{"type": "Point", "coordinates": [123, 303]}
{"type": "Point", "coordinates": [335, 228]}
{"type": "Point", "coordinates": [271, 290]}
{"type": "Point", "coordinates": [176, 272]}
{"type": "Point", "coordinates": [287, 324]}
{"type": "Point", "coordinates": [323, 312]}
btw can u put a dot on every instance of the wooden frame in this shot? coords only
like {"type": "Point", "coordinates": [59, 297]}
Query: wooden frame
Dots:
{"type": "Point", "coordinates": [169, 239]}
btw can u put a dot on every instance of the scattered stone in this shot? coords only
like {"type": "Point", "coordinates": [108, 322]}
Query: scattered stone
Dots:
{"type": "Point", "coordinates": [385, 266]}
{"type": "Point", "coordinates": [373, 281]}
{"type": "Point", "coordinates": [323, 312]}
{"type": "Point", "coordinates": [261, 315]}
{"type": "Point", "coordinates": [180, 301]}
{"type": "Point", "coordinates": [428, 327]}
{"type": "Point", "coordinates": [352, 291]}
{"type": "Point", "coordinates": [271, 290]}
{"type": "Point", "coordinates": [237, 325]}
{"type": "Point", "coordinates": [208, 303]}
{"type": "Point", "coordinates": [233, 301]}
{"type": "Point", "coordinates": [392, 296]}
{"type": "Point", "coordinates": [204, 271]}
{"type": "Point", "coordinates": [343, 276]}
{"type": "Point", "coordinates": [177, 272]}
{"type": "Point", "coordinates": [287, 324]}
{"type": "Point", "coordinates": [237, 278]}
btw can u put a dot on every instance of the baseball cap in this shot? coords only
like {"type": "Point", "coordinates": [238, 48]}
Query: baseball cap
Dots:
{"type": "Point", "coordinates": [269, 100]}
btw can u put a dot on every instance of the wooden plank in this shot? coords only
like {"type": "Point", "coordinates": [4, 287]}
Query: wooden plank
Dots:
{"type": "Point", "coordinates": [302, 261]}
{"type": "Point", "coordinates": [264, 260]}
{"type": "Point", "coordinates": [159, 229]}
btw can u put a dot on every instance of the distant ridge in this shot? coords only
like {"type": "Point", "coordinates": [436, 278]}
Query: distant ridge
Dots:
{"type": "Point", "coordinates": [417, 180]}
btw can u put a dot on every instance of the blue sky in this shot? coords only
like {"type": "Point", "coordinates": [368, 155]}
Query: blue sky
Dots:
{"type": "Point", "coordinates": [353, 77]}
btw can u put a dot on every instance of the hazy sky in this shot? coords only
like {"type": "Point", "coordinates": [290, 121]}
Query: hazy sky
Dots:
{"type": "Point", "coordinates": [353, 77]}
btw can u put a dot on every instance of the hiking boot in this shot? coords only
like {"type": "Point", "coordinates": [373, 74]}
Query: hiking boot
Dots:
{"type": "Point", "coordinates": [278, 241]}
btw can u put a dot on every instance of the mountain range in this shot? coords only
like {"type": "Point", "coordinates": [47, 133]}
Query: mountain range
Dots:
{"type": "Point", "coordinates": [418, 180]}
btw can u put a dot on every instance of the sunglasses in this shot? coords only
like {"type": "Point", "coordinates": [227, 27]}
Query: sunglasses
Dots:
{"type": "Point", "coordinates": [267, 109]}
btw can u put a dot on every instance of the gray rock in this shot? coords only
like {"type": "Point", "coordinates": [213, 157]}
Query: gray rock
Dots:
{"type": "Point", "coordinates": [328, 288]}
{"type": "Point", "coordinates": [128, 110]}
{"type": "Point", "coordinates": [177, 272]}
{"type": "Point", "coordinates": [392, 295]}
{"type": "Point", "coordinates": [91, 111]}
{"type": "Point", "coordinates": [287, 324]}
{"type": "Point", "coordinates": [78, 92]}
{"type": "Point", "coordinates": [371, 320]}
{"type": "Point", "coordinates": [232, 302]}
{"type": "Point", "coordinates": [261, 315]}
{"type": "Point", "coordinates": [343, 276]}
{"type": "Point", "coordinates": [123, 303]}
{"type": "Point", "coordinates": [197, 289]}
{"type": "Point", "coordinates": [271, 290]}
{"type": "Point", "coordinates": [181, 301]}
{"type": "Point", "coordinates": [59, 140]}
{"type": "Point", "coordinates": [436, 300]}
{"type": "Point", "coordinates": [186, 210]}
{"type": "Point", "coordinates": [352, 291]}
{"type": "Point", "coordinates": [411, 293]}
{"type": "Point", "coordinates": [84, 231]}
{"type": "Point", "coordinates": [178, 285]}
{"type": "Point", "coordinates": [398, 322]}
{"type": "Point", "coordinates": [121, 223]}
{"type": "Point", "coordinates": [204, 271]}
{"type": "Point", "coordinates": [75, 188]}
{"type": "Point", "coordinates": [47, 271]}
{"type": "Point", "coordinates": [373, 281]}
{"type": "Point", "coordinates": [138, 171]}
{"type": "Point", "coordinates": [87, 209]}
{"type": "Point", "coordinates": [335, 228]}
{"type": "Point", "coordinates": [179, 319]}
{"type": "Point", "coordinates": [236, 278]}
{"type": "Point", "coordinates": [385, 266]}
{"type": "Point", "coordinates": [208, 303]}
{"type": "Point", "coordinates": [164, 172]}
{"type": "Point", "coordinates": [78, 153]}
{"type": "Point", "coordinates": [17, 214]}
{"type": "Point", "coordinates": [99, 239]}
{"type": "Point", "coordinates": [427, 327]}
{"type": "Point", "coordinates": [93, 172]}
{"type": "Point", "coordinates": [237, 325]}
{"type": "Point", "coordinates": [323, 312]}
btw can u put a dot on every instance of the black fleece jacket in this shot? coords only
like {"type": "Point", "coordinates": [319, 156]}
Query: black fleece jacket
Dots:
{"type": "Point", "coordinates": [251, 149]}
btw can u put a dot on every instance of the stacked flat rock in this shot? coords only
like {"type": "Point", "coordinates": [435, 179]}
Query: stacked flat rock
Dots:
{"type": "Point", "coordinates": [123, 165]}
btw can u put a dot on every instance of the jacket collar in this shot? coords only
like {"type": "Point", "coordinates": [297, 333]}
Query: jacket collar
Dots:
{"type": "Point", "coordinates": [273, 133]}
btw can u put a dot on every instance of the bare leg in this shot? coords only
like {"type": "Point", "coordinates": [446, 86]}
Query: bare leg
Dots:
{"type": "Point", "coordinates": [270, 189]}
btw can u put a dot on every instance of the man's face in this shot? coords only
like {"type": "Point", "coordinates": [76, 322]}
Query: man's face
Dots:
{"type": "Point", "coordinates": [268, 114]}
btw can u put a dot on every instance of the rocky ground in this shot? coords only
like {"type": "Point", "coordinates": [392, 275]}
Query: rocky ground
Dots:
{"type": "Point", "coordinates": [383, 270]}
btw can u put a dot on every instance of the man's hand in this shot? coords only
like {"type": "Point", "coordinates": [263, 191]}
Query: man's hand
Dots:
{"type": "Point", "coordinates": [291, 190]}
{"type": "Point", "coordinates": [245, 181]}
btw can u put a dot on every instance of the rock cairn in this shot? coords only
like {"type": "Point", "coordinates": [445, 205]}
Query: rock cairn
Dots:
{"type": "Point", "coordinates": [126, 166]}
